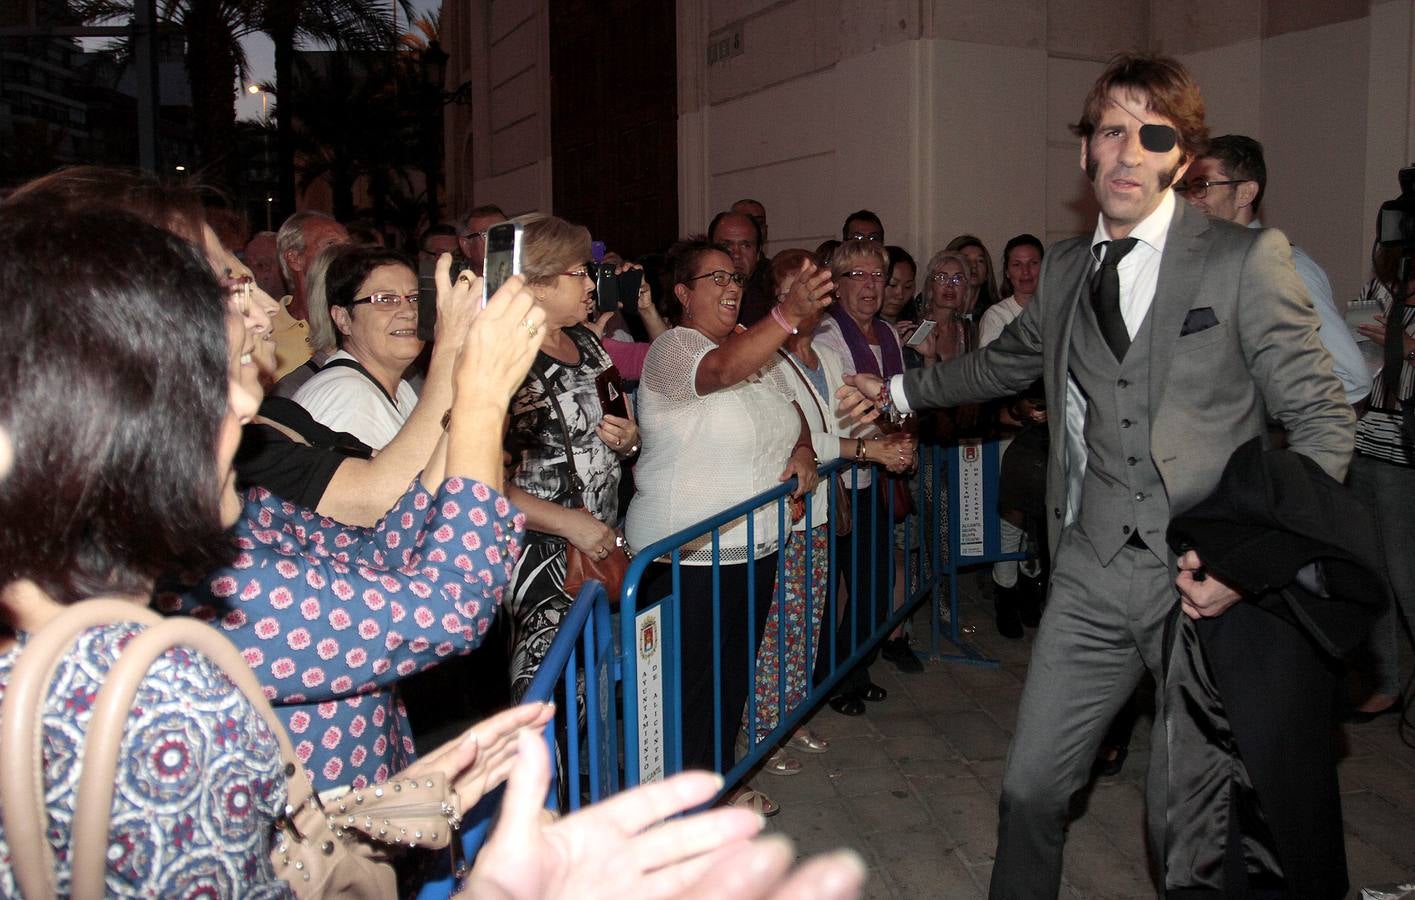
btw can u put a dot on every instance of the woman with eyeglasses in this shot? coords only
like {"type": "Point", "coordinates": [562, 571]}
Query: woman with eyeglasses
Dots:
{"type": "Point", "coordinates": [982, 278]}
{"type": "Point", "coordinates": [718, 429]}
{"type": "Point", "coordinates": [373, 302]}
{"type": "Point", "coordinates": [855, 330]}
{"type": "Point", "coordinates": [568, 499]}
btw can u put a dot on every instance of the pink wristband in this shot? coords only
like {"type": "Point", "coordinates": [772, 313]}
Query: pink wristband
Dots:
{"type": "Point", "coordinates": [781, 319]}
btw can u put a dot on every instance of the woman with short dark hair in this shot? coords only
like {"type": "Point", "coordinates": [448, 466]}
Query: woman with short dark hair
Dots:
{"type": "Point", "coordinates": [125, 405]}
{"type": "Point", "coordinates": [372, 295]}
{"type": "Point", "coordinates": [123, 470]}
{"type": "Point", "coordinates": [720, 427]}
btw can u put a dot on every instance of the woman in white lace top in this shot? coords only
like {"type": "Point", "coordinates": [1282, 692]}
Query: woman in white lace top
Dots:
{"type": "Point", "coordinates": [717, 430]}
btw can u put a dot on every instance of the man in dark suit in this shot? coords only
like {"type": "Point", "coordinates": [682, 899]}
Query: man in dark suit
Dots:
{"type": "Point", "coordinates": [1165, 341]}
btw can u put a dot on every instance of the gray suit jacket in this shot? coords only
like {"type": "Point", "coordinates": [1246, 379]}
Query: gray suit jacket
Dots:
{"type": "Point", "coordinates": [1210, 390]}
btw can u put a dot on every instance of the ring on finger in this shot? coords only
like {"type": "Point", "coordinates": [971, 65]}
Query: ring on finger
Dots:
{"type": "Point", "coordinates": [531, 328]}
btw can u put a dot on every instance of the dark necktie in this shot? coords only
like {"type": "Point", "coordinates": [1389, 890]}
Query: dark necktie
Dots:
{"type": "Point", "coordinates": [1105, 296]}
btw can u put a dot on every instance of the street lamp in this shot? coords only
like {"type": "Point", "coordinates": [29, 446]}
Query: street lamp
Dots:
{"type": "Point", "coordinates": [264, 100]}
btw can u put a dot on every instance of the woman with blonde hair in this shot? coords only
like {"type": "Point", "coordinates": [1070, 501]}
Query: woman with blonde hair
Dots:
{"type": "Point", "coordinates": [570, 494]}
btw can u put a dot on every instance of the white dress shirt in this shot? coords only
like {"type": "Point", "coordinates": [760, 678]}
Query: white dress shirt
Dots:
{"type": "Point", "coordinates": [1139, 276]}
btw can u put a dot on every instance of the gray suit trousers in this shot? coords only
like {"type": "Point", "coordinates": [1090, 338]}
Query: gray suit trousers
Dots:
{"type": "Point", "coordinates": [1102, 627]}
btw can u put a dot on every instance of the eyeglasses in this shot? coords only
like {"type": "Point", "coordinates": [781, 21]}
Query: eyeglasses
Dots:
{"type": "Point", "coordinates": [862, 275]}
{"type": "Point", "coordinates": [720, 278]}
{"type": "Point", "coordinates": [1199, 188]}
{"type": "Point", "coordinates": [861, 236]}
{"type": "Point", "coordinates": [955, 280]}
{"type": "Point", "coordinates": [387, 300]}
{"type": "Point", "coordinates": [475, 234]}
{"type": "Point", "coordinates": [239, 289]}
{"type": "Point", "coordinates": [582, 272]}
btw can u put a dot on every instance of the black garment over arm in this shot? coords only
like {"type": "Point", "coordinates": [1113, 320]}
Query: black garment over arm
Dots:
{"type": "Point", "coordinates": [297, 472]}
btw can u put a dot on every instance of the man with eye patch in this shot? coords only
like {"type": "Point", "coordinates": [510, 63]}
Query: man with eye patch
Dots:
{"type": "Point", "coordinates": [1153, 378]}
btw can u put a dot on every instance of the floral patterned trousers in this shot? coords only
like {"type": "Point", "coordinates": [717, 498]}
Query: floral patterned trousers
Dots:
{"type": "Point", "coordinates": [799, 612]}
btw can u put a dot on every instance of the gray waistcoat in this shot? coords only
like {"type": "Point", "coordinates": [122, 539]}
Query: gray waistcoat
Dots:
{"type": "Point", "coordinates": [1122, 491]}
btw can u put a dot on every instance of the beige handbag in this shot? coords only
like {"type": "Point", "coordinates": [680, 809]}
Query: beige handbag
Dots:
{"type": "Point", "coordinates": [339, 848]}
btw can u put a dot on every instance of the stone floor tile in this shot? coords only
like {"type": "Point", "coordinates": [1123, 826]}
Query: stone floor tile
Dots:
{"type": "Point", "coordinates": [857, 781]}
{"type": "Point", "coordinates": [816, 826]}
{"type": "Point", "coordinates": [901, 723]}
{"type": "Point", "coordinates": [910, 748]}
{"type": "Point", "coordinates": [887, 811]}
{"type": "Point", "coordinates": [975, 735]}
{"type": "Point", "coordinates": [1368, 866]}
{"type": "Point", "coordinates": [970, 819]}
{"type": "Point", "coordinates": [1097, 868]}
{"type": "Point", "coordinates": [1381, 824]}
{"type": "Point", "coordinates": [921, 864]}
{"type": "Point", "coordinates": [812, 783]}
{"type": "Point", "coordinates": [854, 752]}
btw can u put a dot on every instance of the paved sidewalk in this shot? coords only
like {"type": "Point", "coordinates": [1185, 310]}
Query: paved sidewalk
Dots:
{"type": "Point", "coordinates": [913, 786]}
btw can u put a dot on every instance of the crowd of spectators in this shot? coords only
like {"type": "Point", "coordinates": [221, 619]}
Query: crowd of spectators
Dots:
{"type": "Point", "coordinates": [379, 505]}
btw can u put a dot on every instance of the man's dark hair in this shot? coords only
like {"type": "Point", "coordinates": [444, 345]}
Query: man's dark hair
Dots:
{"type": "Point", "coordinates": [113, 399]}
{"type": "Point", "coordinates": [863, 215]}
{"type": "Point", "coordinates": [486, 209]}
{"type": "Point", "coordinates": [679, 265]}
{"type": "Point", "coordinates": [1242, 157]}
{"type": "Point", "coordinates": [442, 229]}
{"type": "Point", "coordinates": [717, 220]}
{"type": "Point", "coordinates": [1166, 86]}
{"type": "Point", "coordinates": [348, 269]}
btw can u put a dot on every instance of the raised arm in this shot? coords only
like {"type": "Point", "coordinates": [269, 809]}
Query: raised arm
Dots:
{"type": "Point", "coordinates": [746, 352]}
{"type": "Point", "coordinates": [363, 490]}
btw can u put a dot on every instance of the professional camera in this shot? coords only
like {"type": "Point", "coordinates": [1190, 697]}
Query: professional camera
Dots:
{"type": "Point", "coordinates": [1395, 226]}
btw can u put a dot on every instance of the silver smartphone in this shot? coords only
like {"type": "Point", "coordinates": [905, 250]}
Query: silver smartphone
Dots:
{"type": "Point", "coordinates": [503, 257]}
{"type": "Point", "coordinates": [921, 333]}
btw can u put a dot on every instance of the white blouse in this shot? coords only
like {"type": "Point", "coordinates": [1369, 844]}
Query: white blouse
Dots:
{"type": "Point", "coordinates": [704, 453]}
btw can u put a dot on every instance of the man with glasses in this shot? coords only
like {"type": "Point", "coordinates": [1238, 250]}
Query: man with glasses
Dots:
{"type": "Point", "coordinates": [862, 225]}
{"type": "Point", "coordinates": [472, 238]}
{"type": "Point", "coordinates": [1153, 379]}
{"type": "Point", "coordinates": [1228, 182]}
{"type": "Point", "coordinates": [739, 233]}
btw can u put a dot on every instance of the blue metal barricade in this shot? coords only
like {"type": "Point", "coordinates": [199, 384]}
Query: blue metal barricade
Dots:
{"type": "Point", "coordinates": [596, 751]}
{"type": "Point", "coordinates": [578, 674]}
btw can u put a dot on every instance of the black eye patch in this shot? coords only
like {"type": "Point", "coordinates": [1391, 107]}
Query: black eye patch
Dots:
{"type": "Point", "coordinates": [1158, 138]}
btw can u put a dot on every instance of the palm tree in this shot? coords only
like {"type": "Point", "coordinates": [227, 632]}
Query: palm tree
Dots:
{"type": "Point", "coordinates": [343, 24]}
{"type": "Point", "coordinates": [216, 61]}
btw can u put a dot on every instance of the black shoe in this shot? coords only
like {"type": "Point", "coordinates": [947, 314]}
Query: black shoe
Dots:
{"type": "Point", "coordinates": [1029, 609]}
{"type": "Point", "coordinates": [847, 705]}
{"type": "Point", "coordinates": [873, 693]}
{"type": "Point", "coordinates": [1110, 761]}
{"type": "Point", "coordinates": [897, 651]}
{"type": "Point", "coordinates": [1006, 608]}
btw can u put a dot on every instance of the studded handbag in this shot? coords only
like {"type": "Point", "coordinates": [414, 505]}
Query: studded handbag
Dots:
{"type": "Point", "coordinates": [337, 845]}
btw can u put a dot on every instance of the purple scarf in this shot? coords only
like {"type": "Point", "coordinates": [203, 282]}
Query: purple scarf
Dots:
{"type": "Point", "coordinates": [859, 346]}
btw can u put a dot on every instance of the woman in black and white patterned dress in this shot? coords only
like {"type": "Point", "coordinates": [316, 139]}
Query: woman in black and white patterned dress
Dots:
{"type": "Point", "coordinates": [559, 397]}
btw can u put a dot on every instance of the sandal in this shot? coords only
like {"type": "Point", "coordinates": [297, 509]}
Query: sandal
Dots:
{"type": "Point", "coordinates": [756, 801]}
{"type": "Point", "coordinates": [782, 763]}
{"type": "Point", "coordinates": [806, 742]}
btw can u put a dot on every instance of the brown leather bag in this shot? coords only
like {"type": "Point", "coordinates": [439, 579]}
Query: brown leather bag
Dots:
{"type": "Point", "coordinates": [580, 566]}
{"type": "Point", "coordinates": [319, 850]}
